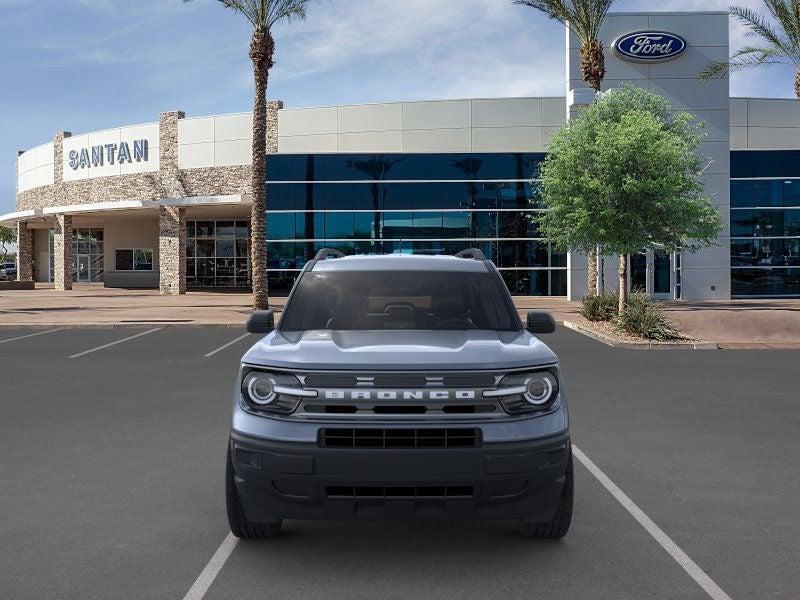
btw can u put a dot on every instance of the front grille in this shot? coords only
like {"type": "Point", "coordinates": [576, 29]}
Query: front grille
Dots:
{"type": "Point", "coordinates": [400, 438]}
{"type": "Point", "coordinates": [398, 409]}
{"type": "Point", "coordinates": [438, 492]}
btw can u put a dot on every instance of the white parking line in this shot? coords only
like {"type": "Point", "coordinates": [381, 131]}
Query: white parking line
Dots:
{"type": "Point", "coordinates": [214, 566]}
{"type": "Point", "coordinates": [22, 337]}
{"type": "Point", "coordinates": [231, 343]}
{"type": "Point", "coordinates": [695, 572]}
{"type": "Point", "coordinates": [115, 343]}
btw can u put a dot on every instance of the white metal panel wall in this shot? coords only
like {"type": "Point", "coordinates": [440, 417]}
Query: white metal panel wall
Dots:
{"type": "Point", "coordinates": [215, 141]}
{"type": "Point", "coordinates": [35, 167]}
{"type": "Point", "coordinates": [484, 125]}
{"type": "Point", "coordinates": [765, 124]}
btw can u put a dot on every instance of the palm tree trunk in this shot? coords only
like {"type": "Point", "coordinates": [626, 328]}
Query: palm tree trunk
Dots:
{"type": "Point", "coordinates": [593, 67]}
{"type": "Point", "coordinates": [623, 282]}
{"type": "Point", "coordinates": [797, 84]}
{"type": "Point", "coordinates": [593, 70]}
{"type": "Point", "coordinates": [261, 52]}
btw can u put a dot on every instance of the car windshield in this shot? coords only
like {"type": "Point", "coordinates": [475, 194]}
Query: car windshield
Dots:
{"type": "Point", "coordinates": [400, 300]}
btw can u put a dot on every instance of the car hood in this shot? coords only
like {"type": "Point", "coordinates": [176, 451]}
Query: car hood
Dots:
{"type": "Point", "coordinates": [400, 350]}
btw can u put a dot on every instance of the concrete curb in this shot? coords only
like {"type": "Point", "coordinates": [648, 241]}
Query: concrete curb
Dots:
{"type": "Point", "coordinates": [640, 345]}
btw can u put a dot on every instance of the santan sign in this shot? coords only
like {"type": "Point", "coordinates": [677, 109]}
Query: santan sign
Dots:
{"type": "Point", "coordinates": [649, 46]}
{"type": "Point", "coordinates": [97, 156]}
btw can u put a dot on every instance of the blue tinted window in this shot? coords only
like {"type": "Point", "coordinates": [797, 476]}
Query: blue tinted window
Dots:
{"type": "Point", "coordinates": [427, 225]}
{"type": "Point", "coordinates": [367, 225]}
{"type": "Point", "coordinates": [312, 196]}
{"type": "Point", "coordinates": [791, 222]}
{"type": "Point", "coordinates": [791, 163]}
{"type": "Point", "coordinates": [791, 192]}
{"type": "Point", "coordinates": [339, 196]}
{"type": "Point", "coordinates": [426, 195]}
{"type": "Point", "coordinates": [765, 282]}
{"type": "Point", "coordinates": [281, 255]}
{"type": "Point", "coordinates": [457, 224]}
{"type": "Point", "coordinates": [304, 226]}
{"type": "Point", "coordinates": [742, 164]}
{"type": "Point", "coordinates": [339, 225]}
{"type": "Point", "coordinates": [768, 163]}
{"type": "Point", "coordinates": [768, 193]}
{"type": "Point", "coordinates": [485, 224]}
{"type": "Point", "coordinates": [741, 194]}
{"type": "Point", "coordinates": [281, 167]}
{"type": "Point", "coordinates": [426, 166]}
{"type": "Point", "coordinates": [367, 196]}
{"type": "Point", "coordinates": [282, 196]}
{"type": "Point", "coordinates": [742, 223]}
{"type": "Point", "coordinates": [397, 196]}
{"type": "Point", "coordinates": [456, 195]}
{"type": "Point", "coordinates": [397, 225]}
{"type": "Point", "coordinates": [280, 226]}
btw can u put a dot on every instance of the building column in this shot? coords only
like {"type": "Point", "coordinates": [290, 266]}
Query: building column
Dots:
{"type": "Point", "coordinates": [62, 253]}
{"type": "Point", "coordinates": [171, 250]}
{"type": "Point", "coordinates": [24, 252]}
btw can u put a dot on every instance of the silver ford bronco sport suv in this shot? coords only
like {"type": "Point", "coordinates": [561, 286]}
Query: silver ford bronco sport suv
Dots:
{"type": "Point", "coordinates": [399, 387]}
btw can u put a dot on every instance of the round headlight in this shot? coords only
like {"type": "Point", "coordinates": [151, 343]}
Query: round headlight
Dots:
{"type": "Point", "coordinates": [260, 389]}
{"type": "Point", "coordinates": [538, 389]}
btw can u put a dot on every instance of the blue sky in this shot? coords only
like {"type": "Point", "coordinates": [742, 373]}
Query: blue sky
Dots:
{"type": "Point", "coordinates": [84, 65]}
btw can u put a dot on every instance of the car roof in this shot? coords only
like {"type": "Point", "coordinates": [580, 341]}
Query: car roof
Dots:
{"type": "Point", "coordinates": [401, 262]}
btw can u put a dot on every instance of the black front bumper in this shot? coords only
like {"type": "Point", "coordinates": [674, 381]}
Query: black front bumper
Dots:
{"type": "Point", "coordinates": [520, 480]}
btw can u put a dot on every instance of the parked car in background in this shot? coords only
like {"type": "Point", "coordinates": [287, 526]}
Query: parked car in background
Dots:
{"type": "Point", "coordinates": [8, 271]}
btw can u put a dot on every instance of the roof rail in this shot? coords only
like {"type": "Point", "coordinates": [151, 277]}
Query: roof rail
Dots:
{"type": "Point", "coordinates": [328, 253]}
{"type": "Point", "coordinates": [471, 253]}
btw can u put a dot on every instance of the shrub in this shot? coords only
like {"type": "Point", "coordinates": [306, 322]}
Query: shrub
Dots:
{"type": "Point", "coordinates": [601, 307]}
{"type": "Point", "coordinates": [644, 317]}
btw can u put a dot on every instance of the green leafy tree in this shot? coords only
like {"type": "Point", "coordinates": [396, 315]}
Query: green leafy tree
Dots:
{"type": "Point", "coordinates": [263, 15]}
{"type": "Point", "coordinates": [778, 40]}
{"type": "Point", "coordinates": [626, 174]}
{"type": "Point", "coordinates": [584, 19]}
{"type": "Point", "coordinates": [8, 236]}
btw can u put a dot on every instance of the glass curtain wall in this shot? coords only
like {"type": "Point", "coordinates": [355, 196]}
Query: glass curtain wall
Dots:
{"type": "Point", "coordinates": [765, 223]}
{"type": "Point", "coordinates": [410, 203]}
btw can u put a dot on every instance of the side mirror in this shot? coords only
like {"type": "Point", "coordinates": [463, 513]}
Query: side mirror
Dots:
{"type": "Point", "coordinates": [540, 322]}
{"type": "Point", "coordinates": [261, 321]}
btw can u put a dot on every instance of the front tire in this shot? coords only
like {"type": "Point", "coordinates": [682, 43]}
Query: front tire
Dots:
{"type": "Point", "coordinates": [240, 526]}
{"type": "Point", "coordinates": [559, 526]}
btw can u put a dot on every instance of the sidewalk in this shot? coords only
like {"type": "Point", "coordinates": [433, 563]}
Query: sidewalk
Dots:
{"type": "Point", "coordinates": [735, 324]}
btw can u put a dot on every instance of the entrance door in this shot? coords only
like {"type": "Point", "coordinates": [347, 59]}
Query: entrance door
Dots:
{"type": "Point", "coordinates": [83, 268]}
{"type": "Point", "coordinates": [662, 270]}
{"type": "Point", "coordinates": [650, 272]}
{"type": "Point", "coordinates": [638, 268]}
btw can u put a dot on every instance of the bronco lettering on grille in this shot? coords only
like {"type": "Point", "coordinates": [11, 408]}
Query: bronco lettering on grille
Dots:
{"type": "Point", "coordinates": [399, 394]}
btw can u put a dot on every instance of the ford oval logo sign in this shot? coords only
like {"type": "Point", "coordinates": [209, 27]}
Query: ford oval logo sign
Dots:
{"type": "Point", "coordinates": [649, 46]}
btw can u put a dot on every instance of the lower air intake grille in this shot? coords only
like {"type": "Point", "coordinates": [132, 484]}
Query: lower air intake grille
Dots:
{"type": "Point", "coordinates": [400, 491]}
{"type": "Point", "coordinates": [400, 438]}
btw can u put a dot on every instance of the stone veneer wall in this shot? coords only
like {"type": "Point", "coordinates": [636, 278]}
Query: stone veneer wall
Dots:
{"type": "Point", "coordinates": [24, 252]}
{"type": "Point", "coordinates": [172, 250]}
{"type": "Point", "coordinates": [62, 251]}
{"type": "Point", "coordinates": [169, 182]}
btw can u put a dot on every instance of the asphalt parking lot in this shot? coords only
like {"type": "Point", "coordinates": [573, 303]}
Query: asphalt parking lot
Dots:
{"type": "Point", "coordinates": [112, 469]}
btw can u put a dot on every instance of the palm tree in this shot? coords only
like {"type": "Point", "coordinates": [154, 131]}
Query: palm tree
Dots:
{"type": "Point", "coordinates": [584, 19]}
{"type": "Point", "coordinates": [263, 15]}
{"type": "Point", "coordinates": [780, 41]}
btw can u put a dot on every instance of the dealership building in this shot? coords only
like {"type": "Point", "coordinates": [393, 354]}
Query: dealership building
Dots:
{"type": "Point", "coordinates": [167, 204]}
